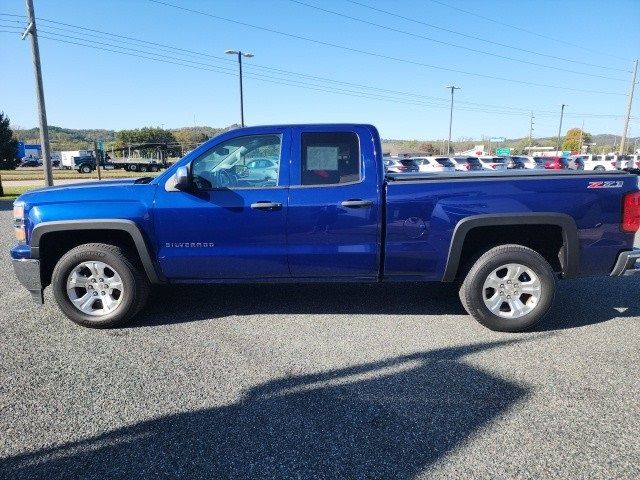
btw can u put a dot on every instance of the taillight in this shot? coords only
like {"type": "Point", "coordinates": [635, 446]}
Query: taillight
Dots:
{"type": "Point", "coordinates": [631, 212]}
{"type": "Point", "coordinates": [638, 164]}
{"type": "Point", "coordinates": [613, 164]}
{"type": "Point", "coordinates": [494, 166]}
{"type": "Point", "coordinates": [402, 168]}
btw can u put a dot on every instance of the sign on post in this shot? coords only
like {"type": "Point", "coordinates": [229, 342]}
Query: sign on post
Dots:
{"type": "Point", "coordinates": [503, 151]}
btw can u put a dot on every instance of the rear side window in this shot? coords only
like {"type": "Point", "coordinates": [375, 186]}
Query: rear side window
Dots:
{"type": "Point", "coordinates": [330, 158]}
{"type": "Point", "coordinates": [445, 162]}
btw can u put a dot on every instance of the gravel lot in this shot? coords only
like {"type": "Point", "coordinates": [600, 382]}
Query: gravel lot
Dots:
{"type": "Point", "coordinates": [309, 381]}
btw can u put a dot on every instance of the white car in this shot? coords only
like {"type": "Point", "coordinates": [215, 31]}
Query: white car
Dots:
{"type": "Point", "coordinates": [531, 163]}
{"type": "Point", "coordinates": [631, 161]}
{"type": "Point", "coordinates": [599, 163]}
{"type": "Point", "coordinates": [435, 164]}
{"type": "Point", "coordinates": [493, 163]}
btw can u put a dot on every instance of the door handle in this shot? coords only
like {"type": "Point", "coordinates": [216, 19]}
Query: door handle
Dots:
{"type": "Point", "coordinates": [357, 203]}
{"type": "Point", "coordinates": [266, 206]}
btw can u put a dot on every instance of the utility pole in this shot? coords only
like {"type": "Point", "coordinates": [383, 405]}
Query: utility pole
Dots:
{"type": "Point", "coordinates": [560, 126]}
{"type": "Point", "coordinates": [96, 154]}
{"type": "Point", "coordinates": [452, 88]}
{"type": "Point", "coordinates": [531, 122]}
{"type": "Point", "coordinates": [42, 113]}
{"type": "Point", "coordinates": [626, 118]}
{"type": "Point", "coordinates": [581, 133]}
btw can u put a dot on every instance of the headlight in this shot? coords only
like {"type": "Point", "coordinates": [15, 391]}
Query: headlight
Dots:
{"type": "Point", "coordinates": [18, 222]}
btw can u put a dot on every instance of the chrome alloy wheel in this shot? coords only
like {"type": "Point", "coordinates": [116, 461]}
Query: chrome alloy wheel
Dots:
{"type": "Point", "coordinates": [511, 291]}
{"type": "Point", "coordinates": [95, 288]}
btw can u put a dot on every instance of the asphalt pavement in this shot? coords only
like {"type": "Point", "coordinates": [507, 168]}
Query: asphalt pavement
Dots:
{"type": "Point", "coordinates": [320, 381]}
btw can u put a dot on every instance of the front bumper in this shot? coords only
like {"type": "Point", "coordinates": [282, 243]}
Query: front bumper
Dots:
{"type": "Point", "coordinates": [628, 264]}
{"type": "Point", "coordinates": [28, 273]}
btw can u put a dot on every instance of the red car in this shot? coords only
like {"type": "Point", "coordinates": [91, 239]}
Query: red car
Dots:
{"type": "Point", "coordinates": [556, 163]}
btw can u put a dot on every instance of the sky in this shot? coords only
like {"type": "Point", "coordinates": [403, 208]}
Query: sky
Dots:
{"type": "Point", "coordinates": [366, 64]}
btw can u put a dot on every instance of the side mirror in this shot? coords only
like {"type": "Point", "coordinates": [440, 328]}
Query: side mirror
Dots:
{"type": "Point", "coordinates": [179, 181]}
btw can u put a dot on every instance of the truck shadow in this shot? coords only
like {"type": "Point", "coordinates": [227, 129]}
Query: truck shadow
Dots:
{"type": "Point", "coordinates": [578, 302]}
{"type": "Point", "coordinates": [391, 418]}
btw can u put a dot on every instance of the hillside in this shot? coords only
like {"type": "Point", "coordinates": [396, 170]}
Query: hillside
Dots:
{"type": "Point", "coordinates": [77, 139]}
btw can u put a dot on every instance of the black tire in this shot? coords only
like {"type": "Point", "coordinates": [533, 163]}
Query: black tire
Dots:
{"type": "Point", "coordinates": [84, 169]}
{"type": "Point", "coordinates": [143, 168]}
{"type": "Point", "coordinates": [133, 168]}
{"type": "Point", "coordinates": [153, 168]}
{"type": "Point", "coordinates": [599, 168]}
{"type": "Point", "coordinates": [135, 285]}
{"type": "Point", "coordinates": [472, 289]}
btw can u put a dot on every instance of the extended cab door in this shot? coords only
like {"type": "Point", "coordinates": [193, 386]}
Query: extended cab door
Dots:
{"type": "Point", "coordinates": [232, 224]}
{"type": "Point", "coordinates": [333, 226]}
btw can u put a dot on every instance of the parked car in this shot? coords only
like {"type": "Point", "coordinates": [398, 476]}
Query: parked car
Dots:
{"type": "Point", "coordinates": [556, 163]}
{"type": "Point", "coordinates": [632, 162]}
{"type": "Point", "coordinates": [493, 163]}
{"type": "Point", "coordinates": [466, 164]}
{"type": "Point", "coordinates": [531, 163]}
{"type": "Point", "coordinates": [263, 171]}
{"type": "Point", "coordinates": [599, 163]}
{"type": "Point", "coordinates": [30, 163]}
{"type": "Point", "coordinates": [332, 216]}
{"type": "Point", "coordinates": [400, 165]}
{"type": "Point", "coordinates": [434, 164]}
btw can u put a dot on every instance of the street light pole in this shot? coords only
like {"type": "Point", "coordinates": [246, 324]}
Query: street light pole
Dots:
{"type": "Point", "coordinates": [560, 126]}
{"type": "Point", "coordinates": [240, 55]}
{"type": "Point", "coordinates": [452, 88]}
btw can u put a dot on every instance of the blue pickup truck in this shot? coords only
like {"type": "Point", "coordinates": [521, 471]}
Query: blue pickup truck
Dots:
{"type": "Point", "coordinates": [311, 203]}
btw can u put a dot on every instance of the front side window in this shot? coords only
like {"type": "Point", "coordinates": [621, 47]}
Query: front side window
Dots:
{"type": "Point", "coordinates": [243, 162]}
{"type": "Point", "coordinates": [329, 158]}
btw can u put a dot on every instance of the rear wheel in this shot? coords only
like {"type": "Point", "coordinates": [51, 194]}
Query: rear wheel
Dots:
{"type": "Point", "coordinates": [509, 288]}
{"type": "Point", "coordinates": [599, 168]}
{"type": "Point", "coordinates": [98, 285]}
{"type": "Point", "coordinates": [143, 168]}
{"type": "Point", "coordinates": [133, 168]}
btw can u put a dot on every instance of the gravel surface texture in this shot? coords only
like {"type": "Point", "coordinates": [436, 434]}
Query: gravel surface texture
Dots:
{"type": "Point", "coordinates": [320, 381]}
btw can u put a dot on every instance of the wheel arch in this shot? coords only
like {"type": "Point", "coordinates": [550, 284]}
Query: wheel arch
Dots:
{"type": "Point", "coordinates": [123, 226]}
{"type": "Point", "coordinates": [570, 242]}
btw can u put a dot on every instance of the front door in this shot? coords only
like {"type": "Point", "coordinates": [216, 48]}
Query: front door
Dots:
{"type": "Point", "coordinates": [233, 222]}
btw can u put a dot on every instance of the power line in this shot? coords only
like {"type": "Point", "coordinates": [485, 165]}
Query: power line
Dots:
{"type": "Point", "coordinates": [531, 32]}
{"type": "Point", "coordinates": [378, 55]}
{"type": "Point", "coordinates": [449, 44]}
{"type": "Point", "coordinates": [494, 109]}
{"type": "Point", "coordinates": [492, 42]}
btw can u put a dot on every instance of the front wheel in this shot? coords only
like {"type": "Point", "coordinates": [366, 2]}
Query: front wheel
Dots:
{"type": "Point", "coordinates": [85, 169]}
{"type": "Point", "coordinates": [509, 288]}
{"type": "Point", "coordinates": [97, 285]}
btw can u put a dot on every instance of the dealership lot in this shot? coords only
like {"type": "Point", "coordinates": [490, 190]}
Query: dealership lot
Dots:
{"type": "Point", "coordinates": [314, 381]}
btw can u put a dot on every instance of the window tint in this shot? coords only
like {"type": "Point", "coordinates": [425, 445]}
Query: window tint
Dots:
{"type": "Point", "coordinates": [445, 162]}
{"type": "Point", "coordinates": [330, 158]}
{"type": "Point", "coordinates": [244, 162]}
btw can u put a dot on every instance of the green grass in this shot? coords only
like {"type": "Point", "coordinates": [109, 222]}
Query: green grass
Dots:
{"type": "Point", "coordinates": [38, 174]}
{"type": "Point", "coordinates": [10, 193]}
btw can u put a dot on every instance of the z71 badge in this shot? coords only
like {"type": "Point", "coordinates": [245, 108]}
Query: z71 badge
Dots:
{"type": "Point", "coordinates": [610, 184]}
